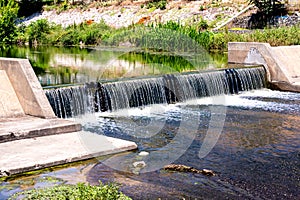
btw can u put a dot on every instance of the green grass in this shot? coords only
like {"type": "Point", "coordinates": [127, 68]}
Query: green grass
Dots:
{"type": "Point", "coordinates": [81, 191]}
{"type": "Point", "coordinates": [170, 36]}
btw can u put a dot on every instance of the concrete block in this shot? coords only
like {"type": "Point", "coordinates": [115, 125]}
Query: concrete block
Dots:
{"type": "Point", "coordinates": [9, 102]}
{"type": "Point", "coordinates": [17, 128]}
{"type": "Point", "coordinates": [281, 63]}
{"type": "Point", "coordinates": [27, 87]}
{"type": "Point", "coordinates": [32, 154]}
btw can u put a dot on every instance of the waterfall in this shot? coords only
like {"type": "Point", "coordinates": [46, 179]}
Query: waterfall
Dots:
{"type": "Point", "coordinates": [97, 97]}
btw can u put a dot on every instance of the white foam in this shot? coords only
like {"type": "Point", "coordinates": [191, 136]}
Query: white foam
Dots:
{"type": "Point", "coordinates": [252, 99]}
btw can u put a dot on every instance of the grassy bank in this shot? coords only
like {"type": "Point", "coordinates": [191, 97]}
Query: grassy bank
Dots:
{"type": "Point", "coordinates": [168, 37]}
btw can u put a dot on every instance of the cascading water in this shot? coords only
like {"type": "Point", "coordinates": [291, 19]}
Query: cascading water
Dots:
{"type": "Point", "coordinates": [95, 97]}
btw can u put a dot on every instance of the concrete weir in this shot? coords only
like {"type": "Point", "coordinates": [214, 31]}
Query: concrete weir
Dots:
{"type": "Point", "coordinates": [31, 136]}
{"type": "Point", "coordinates": [281, 63]}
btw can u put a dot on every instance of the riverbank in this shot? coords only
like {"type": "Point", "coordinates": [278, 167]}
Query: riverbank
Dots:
{"type": "Point", "coordinates": [237, 14]}
{"type": "Point", "coordinates": [140, 25]}
{"type": "Point", "coordinates": [124, 14]}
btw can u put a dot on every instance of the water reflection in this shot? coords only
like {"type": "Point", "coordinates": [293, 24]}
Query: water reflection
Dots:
{"type": "Point", "coordinates": [72, 65]}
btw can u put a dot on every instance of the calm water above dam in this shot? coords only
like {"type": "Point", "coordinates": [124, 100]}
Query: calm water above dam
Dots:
{"type": "Point", "coordinates": [73, 65]}
{"type": "Point", "coordinates": [253, 135]}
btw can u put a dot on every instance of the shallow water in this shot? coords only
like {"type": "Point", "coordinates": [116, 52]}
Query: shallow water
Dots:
{"type": "Point", "coordinates": [256, 155]}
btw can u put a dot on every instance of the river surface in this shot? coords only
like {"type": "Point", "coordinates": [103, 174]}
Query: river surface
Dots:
{"type": "Point", "coordinates": [255, 152]}
{"type": "Point", "coordinates": [73, 65]}
{"type": "Point", "coordinates": [250, 141]}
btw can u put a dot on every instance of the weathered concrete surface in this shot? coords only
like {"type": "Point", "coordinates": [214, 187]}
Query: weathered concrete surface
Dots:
{"type": "Point", "coordinates": [28, 127]}
{"type": "Point", "coordinates": [282, 63]}
{"type": "Point", "coordinates": [36, 153]}
{"type": "Point", "coordinates": [27, 87]}
{"type": "Point", "coordinates": [9, 102]}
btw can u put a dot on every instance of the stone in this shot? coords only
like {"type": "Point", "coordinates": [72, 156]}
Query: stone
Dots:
{"type": "Point", "coordinates": [139, 164]}
{"type": "Point", "coordinates": [184, 168]}
{"type": "Point", "coordinates": [143, 153]}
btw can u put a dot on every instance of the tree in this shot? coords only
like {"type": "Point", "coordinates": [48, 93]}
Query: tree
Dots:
{"type": "Point", "coordinates": [8, 16]}
{"type": "Point", "coordinates": [29, 7]}
{"type": "Point", "coordinates": [37, 31]}
{"type": "Point", "coordinates": [269, 7]}
{"type": "Point", "coordinates": [267, 10]}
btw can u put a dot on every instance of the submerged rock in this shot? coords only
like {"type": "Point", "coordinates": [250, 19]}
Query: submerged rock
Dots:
{"type": "Point", "coordinates": [184, 168]}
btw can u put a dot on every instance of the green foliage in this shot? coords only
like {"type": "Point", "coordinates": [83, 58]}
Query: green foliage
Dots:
{"type": "Point", "coordinates": [8, 15]}
{"type": "Point", "coordinates": [170, 36]}
{"type": "Point", "coordinates": [83, 33]}
{"type": "Point", "coordinates": [29, 7]}
{"type": "Point", "coordinates": [158, 4]}
{"type": "Point", "coordinates": [203, 25]}
{"type": "Point", "coordinates": [63, 7]}
{"type": "Point", "coordinates": [38, 31]}
{"type": "Point", "coordinates": [42, 32]}
{"type": "Point", "coordinates": [80, 191]}
{"type": "Point", "coordinates": [267, 9]}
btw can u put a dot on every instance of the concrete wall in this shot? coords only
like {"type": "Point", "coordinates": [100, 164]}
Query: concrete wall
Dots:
{"type": "Point", "coordinates": [281, 63]}
{"type": "Point", "coordinates": [27, 87]}
{"type": "Point", "coordinates": [9, 102]}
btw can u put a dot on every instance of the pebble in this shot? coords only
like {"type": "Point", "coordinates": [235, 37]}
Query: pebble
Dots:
{"type": "Point", "coordinates": [139, 164]}
{"type": "Point", "coordinates": [143, 153]}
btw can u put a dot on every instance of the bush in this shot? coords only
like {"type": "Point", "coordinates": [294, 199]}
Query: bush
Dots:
{"type": "Point", "coordinates": [158, 4]}
{"type": "Point", "coordinates": [267, 10]}
{"type": "Point", "coordinates": [29, 7]}
{"type": "Point", "coordinates": [37, 32]}
{"type": "Point", "coordinates": [8, 16]}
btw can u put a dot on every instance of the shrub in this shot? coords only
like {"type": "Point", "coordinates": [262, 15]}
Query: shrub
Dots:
{"type": "Point", "coordinates": [8, 16]}
{"type": "Point", "coordinates": [37, 31]}
{"type": "Point", "coordinates": [267, 10]}
{"type": "Point", "coordinates": [29, 7]}
{"type": "Point", "coordinates": [158, 4]}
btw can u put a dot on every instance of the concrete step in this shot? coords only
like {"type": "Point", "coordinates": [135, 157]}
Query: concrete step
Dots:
{"type": "Point", "coordinates": [29, 127]}
{"type": "Point", "coordinates": [35, 153]}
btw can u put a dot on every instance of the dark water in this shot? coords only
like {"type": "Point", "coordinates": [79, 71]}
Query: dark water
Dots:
{"type": "Point", "coordinates": [256, 156]}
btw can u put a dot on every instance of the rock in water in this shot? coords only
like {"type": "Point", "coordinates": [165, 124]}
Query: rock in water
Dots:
{"type": "Point", "coordinates": [184, 168]}
{"type": "Point", "coordinates": [143, 153]}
